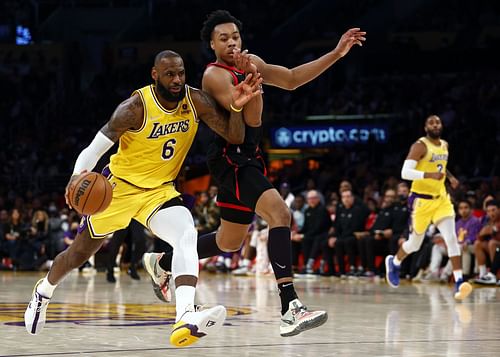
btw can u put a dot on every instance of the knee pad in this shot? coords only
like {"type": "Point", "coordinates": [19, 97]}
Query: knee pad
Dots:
{"type": "Point", "coordinates": [413, 243]}
{"type": "Point", "coordinates": [447, 229]}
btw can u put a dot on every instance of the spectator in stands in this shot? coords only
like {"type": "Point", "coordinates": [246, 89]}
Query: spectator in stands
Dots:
{"type": "Point", "coordinates": [32, 249]}
{"type": "Point", "coordinates": [376, 241]}
{"type": "Point", "coordinates": [15, 230]}
{"type": "Point", "coordinates": [206, 214]}
{"type": "Point", "coordinates": [134, 239]}
{"type": "Point", "coordinates": [315, 229]}
{"type": "Point", "coordinates": [298, 217]}
{"type": "Point", "coordinates": [286, 194]}
{"type": "Point", "coordinates": [488, 240]}
{"type": "Point", "coordinates": [467, 228]}
{"type": "Point", "coordinates": [350, 220]}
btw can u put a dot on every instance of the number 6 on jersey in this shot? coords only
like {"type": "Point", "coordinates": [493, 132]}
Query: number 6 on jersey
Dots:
{"type": "Point", "coordinates": [168, 149]}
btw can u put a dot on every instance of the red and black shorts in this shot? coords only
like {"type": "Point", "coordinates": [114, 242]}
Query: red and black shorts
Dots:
{"type": "Point", "coordinates": [240, 187]}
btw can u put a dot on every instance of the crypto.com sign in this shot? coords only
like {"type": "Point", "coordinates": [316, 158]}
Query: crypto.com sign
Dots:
{"type": "Point", "coordinates": [326, 135]}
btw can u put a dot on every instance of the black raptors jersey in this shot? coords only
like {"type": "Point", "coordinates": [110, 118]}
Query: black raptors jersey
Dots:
{"type": "Point", "coordinates": [250, 146]}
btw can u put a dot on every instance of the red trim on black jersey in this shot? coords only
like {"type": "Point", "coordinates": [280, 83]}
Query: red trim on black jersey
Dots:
{"type": "Point", "coordinates": [229, 68]}
{"type": "Point", "coordinates": [233, 206]}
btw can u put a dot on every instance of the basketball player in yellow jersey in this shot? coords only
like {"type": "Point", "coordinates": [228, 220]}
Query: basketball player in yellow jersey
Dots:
{"type": "Point", "coordinates": [429, 202]}
{"type": "Point", "coordinates": [155, 128]}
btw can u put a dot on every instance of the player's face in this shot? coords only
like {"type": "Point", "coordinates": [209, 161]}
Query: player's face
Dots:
{"type": "Point", "coordinates": [170, 77]}
{"type": "Point", "coordinates": [434, 127]}
{"type": "Point", "coordinates": [225, 38]}
{"type": "Point", "coordinates": [463, 210]}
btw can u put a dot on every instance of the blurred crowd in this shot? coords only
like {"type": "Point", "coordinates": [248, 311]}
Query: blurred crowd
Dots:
{"type": "Point", "coordinates": [49, 111]}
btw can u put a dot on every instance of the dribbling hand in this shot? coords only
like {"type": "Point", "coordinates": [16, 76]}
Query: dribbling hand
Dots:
{"type": "Point", "coordinates": [70, 183]}
{"type": "Point", "coordinates": [352, 37]}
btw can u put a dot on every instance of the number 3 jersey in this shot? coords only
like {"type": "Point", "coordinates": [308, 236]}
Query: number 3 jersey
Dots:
{"type": "Point", "coordinates": [153, 154]}
{"type": "Point", "coordinates": [435, 160]}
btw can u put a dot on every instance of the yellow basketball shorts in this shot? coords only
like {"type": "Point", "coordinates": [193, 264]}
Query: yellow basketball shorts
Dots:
{"type": "Point", "coordinates": [129, 202]}
{"type": "Point", "coordinates": [425, 210]}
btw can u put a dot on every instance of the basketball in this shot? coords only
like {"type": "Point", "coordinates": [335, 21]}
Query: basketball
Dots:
{"type": "Point", "coordinates": [91, 193]}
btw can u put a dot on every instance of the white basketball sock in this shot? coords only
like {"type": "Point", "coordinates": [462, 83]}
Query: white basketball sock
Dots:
{"type": "Point", "coordinates": [457, 274]}
{"type": "Point", "coordinates": [184, 296]}
{"type": "Point", "coordinates": [45, 288]}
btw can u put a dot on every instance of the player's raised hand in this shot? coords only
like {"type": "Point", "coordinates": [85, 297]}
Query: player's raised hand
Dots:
{"type": "Point", "coordinates": [246, 90]}
{"type": "Point", "coordinates": [243, 62]}
{"type": "Point", "coordinates": [352, 37]}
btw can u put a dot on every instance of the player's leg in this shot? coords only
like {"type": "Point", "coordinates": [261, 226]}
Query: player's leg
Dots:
{"type": "Point", "coordinates": [175, 225]}
{"type": "Point", "coordinates": [295, 316]}
{"type": "Point", "coordinates": [421, 212]}
{"type": "Point", "coordinates": [235, 221]}
{"type": "Point", "coordinates": [447, 228]}
{"type": "Point", "coordinates": [79, 252]}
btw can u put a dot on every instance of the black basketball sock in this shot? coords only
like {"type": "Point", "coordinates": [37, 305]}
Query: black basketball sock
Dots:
{"type": "Point", "coordinates": [287, 294]}
{"type": "Point", "coordinates": [166, 262]}
{"type": "Point", "coordinates": [279, 247]}
{"type": "Point", "coordinates": [207, 247]}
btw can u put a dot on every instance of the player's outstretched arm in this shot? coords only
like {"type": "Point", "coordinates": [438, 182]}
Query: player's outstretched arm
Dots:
{"type": "Point", "coordinates": [231, 128]}
{"type": "Point", "coordinates": [290, 79]}
{"type": "Point", "coordinates": [128, 115]}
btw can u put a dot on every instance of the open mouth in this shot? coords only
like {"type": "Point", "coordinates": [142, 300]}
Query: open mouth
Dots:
{"type": "Point", "coordinates": [175, 89]}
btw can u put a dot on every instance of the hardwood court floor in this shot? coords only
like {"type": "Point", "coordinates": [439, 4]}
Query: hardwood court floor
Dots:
{"type": "Point", "coordinates": [90, 317]}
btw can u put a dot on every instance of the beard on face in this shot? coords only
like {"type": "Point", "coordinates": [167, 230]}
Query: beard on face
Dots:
{"type": "Point", "coordinates": [434, 134]}
{"type": "Point", "coordinates": [169, 96]}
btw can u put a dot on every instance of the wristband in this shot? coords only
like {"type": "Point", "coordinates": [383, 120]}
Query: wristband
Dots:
{"type": "Point", "coordinates": [234, 109]}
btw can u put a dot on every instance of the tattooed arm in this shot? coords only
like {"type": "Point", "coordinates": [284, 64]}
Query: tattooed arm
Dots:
{"type": "Point", "coordinates": [231, 127]}
{"type": "Point", "coordinates": [128, 115]}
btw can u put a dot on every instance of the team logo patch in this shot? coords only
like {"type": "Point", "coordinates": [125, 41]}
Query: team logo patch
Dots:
{"type": "Point", "coordinates": [185, 109]}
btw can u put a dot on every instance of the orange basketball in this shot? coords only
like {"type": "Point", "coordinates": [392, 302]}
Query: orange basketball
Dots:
{"type": "Point", "coordinates": [91, 193]}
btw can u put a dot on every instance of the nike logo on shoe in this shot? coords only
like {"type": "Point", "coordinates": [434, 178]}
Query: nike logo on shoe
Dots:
{"type": "Point", "coordinates": [281, 266]}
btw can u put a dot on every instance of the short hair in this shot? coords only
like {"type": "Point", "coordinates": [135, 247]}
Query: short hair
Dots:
{"type": "Point", "coordinates": [431, 116]}
{"type": "Point", "coordinates": [493, 203]}
{"type": "Point", "coordinates": [165, 54]}
{"type": "Point", "coordinates": [467, 202]}
{"type": "Point", "coordinates": [215, 18]}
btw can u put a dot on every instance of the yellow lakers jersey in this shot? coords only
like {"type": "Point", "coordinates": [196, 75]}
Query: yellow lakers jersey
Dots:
{"type": "Point", "coordinates": [435, 160]}
{"type": "Point", "coordinates": [154, 154]}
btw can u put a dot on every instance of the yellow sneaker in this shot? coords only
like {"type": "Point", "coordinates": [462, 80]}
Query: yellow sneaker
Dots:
{"type": "Point", "coordinates": [462, 289]}
{"type": "Point", "coordinates": [194, 325]}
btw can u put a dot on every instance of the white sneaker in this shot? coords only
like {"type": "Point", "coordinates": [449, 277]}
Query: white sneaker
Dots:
{"type": "Point", "coordinates": [488, 279]}
{"type": "Point", "coordinates": [34, 316]}
{"type": "Point", "coordinates": [298, 319]}
{"type": "Point", "coordinates": [194, 325]}
{"type": "Point", "coordinates": [160, 279]}
{"type": "Point", "coordinates": [242, 271]}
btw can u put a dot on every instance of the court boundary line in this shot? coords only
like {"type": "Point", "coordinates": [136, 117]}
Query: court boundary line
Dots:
{"type": "Point", "coordinates": [252, 346]}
